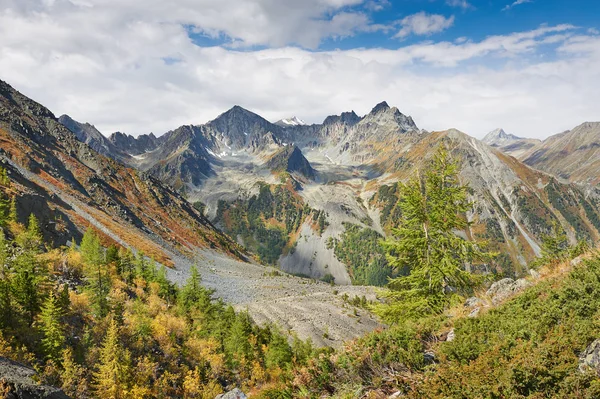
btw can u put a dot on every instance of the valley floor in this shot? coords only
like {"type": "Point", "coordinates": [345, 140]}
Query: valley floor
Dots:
{"type": "Point", "coordinates": [311, 309]}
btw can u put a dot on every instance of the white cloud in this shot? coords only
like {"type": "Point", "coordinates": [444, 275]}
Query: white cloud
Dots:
{"type": "Point", "coordinates": [516, 3]}
{"type": "Point", "coordinates": [464, 4]}
{"type": "Point", "coordinates": [424, 24]}
{"type": "Point", "coordinates": [377, 5]}
{"type": "Point", "coordinates": [123, 66]}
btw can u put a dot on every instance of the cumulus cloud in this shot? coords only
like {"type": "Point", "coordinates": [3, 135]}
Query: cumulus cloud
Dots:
{"type": "Point", "coordinates": [516, 3]}
{"type": "Point", "coordinates": [421, 24]}
{"type": "Point", "coordinates": [124, 66]}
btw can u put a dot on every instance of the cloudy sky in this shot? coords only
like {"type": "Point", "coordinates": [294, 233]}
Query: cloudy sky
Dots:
{"type": "Point", "coordinates": [140, 66]}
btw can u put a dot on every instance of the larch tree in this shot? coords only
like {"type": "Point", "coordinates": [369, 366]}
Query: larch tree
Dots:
{"type": "Point", "coordinates": [52, 330]}
{"type": "Point", "coordinates": [110, 378]}
{"type": "Point", "coordinates": [425, 243]}
{"type": "Point", "coordinates": [97, 275]}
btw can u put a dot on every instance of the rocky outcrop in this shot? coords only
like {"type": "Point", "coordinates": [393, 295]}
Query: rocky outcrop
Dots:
{"type": "Point", "coordinates": [16, 382]}
{"type": "Point", "coordinates": [235, 393]}
{"type": "Point", "coordinates": [290, 159]}
{"type": "Point", "coordinates": [506, 288]}
{"type": "Point", "coordinates": [589, 360]}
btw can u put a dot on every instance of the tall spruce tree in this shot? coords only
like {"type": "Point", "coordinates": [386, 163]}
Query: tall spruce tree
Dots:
{"type": "Point", "coordinates": [425, 243]}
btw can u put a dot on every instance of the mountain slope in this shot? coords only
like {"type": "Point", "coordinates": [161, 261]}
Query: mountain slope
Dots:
{"type": "Point", "coordinates": [69, 187]}
{"type": "Point", "coordinates": [514, 204]}
{"type": "Point", "coordinates": [573, 155]}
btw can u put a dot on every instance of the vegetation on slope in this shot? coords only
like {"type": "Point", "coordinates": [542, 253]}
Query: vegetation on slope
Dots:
{"type": "Point", "coordinates": [105, 323]}
{"type": "Point", "coordinates": [266, 222]}
{"type": "Point", "coordinates": [359, 248]}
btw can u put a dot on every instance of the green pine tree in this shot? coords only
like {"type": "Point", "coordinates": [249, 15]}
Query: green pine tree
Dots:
{"type": "Point", "coordinates": [51, 327]}
{"type": "Point", "coordinates": [433, 209]}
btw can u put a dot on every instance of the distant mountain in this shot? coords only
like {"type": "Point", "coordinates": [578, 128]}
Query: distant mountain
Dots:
{"type": "Point", "coordinates": [573, 155]}
{"type": "Point", "coordinates": [293, 121]}
{"type": "Point", "coordinates": [70, 187]}
{"type": "Point", "coordinates": [509, 143]}
{"type": "Point", "coordinates": [89, 135]}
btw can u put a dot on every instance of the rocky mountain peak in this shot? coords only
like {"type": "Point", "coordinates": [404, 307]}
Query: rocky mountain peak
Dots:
{"type": "Point", "coordinates": [290, 159]}
{"type": "Point", "coordinates": [382, 106]}
{"type": "Point", "coordinates": [293, 121]}
{"type": "Point", "coordinates": [346, 118]}
{"type": "Point", "coordinates": [384, 115]}
{"type": "Point", "coordinates": [499, 135]}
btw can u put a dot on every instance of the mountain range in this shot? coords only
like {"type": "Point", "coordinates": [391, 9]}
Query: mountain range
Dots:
{"type": "Point", "coordinates": [325, 180]}
{"type": "Point", "coordinates": [300, 197]}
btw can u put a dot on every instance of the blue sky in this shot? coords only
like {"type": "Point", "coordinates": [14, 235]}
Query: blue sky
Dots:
{"type": "Point", "coordinates": [140, 66]}
{"type": "Point", "coordinates": [473, 19]}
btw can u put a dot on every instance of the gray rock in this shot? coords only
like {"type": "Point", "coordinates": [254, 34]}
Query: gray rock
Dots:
{"type": "Point", "coordinates": [429, 357]}
{"type": "Point", "coordinates": [235, 393]}
{"type": "Point", "coordinates": [590, 358]}
{"type": "Point", "coordinates": [451, 336]}
{"type": "Point", "coordinates": [474, 313]}
{"type": "Point", "coordinates": [18, 379]}
{"type": "Point", "coordinates": [535, 274]}
{"type": "Point", "coordinates": [576, 261]}
{"type": "Point", "coordinates": [473, 301]}
{"type": "Point", "coordinates": [505, 288]}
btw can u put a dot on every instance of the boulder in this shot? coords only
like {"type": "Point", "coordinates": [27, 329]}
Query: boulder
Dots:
{"type": "Point", "coordinates": [473, 301]}
{"type": "Point", "coordinates": [505, 288]}
{"type": "Point", "coordinates": [235, 393]}
{"type": "Point", "coordinates": [17, 380]}
{"type": "Point", "coordinates": [451, 336]}
{"type": "Point", "coordinates": [590, 358]}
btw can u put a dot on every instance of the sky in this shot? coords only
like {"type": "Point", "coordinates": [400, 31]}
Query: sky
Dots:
{"type": "Point", "coordinates": [531, 67]}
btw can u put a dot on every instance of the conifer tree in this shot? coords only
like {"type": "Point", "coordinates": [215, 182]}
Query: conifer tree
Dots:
{"type": "Point", "coordinates": [72, 376]}
{"type": "Point", "coordinates": [51, 327]}
{"type": "Point", "coordinates": [110, 378]}
{"type": "Point", "coordinates": [279, 353]}
{"type": "Point", "coordinates": [96, 272]}
{"type": "Point", "coordinates": [193, 294]}
{"type": "Point", "coordinates": [28, 274]}
{"type": "Point", "coordinates": [12, 213]}
{"type": "Point", "coordinates": [7, 306]}
{"type": "Point", "coordinates": [237, 345]}
{"type": "Point", "coordinates": [425, 242]}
